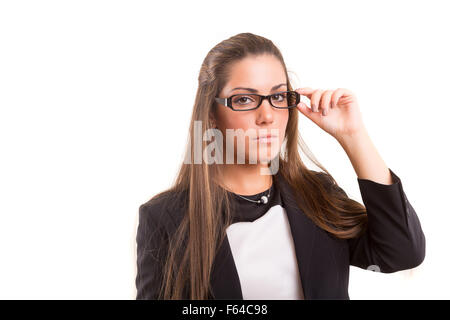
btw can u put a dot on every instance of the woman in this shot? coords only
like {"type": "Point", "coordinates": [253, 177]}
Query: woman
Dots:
{"type": "Point", "coordinates": [268, 227]}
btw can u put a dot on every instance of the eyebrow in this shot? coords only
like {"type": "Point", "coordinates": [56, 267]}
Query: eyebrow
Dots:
{"type": "Point", "coordinates": [254, 90]}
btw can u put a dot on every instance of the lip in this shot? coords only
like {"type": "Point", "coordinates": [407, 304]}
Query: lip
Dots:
{"type": "Point", "coordinates": [266, 138]}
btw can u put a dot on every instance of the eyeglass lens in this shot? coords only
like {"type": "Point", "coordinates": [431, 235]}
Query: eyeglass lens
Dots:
{"type": "Point", "coordinates": [250, 101]}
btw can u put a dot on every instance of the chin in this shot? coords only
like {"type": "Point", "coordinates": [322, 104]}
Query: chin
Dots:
{"type": "Point", "coordinates": [268, 155]}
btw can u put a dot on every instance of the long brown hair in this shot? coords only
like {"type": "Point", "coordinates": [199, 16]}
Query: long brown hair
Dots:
{"type": "Point", "coordinates": [192, 248]}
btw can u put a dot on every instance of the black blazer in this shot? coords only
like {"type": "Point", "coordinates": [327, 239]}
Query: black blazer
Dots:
{"type": "Point", "coordinates": [393, 241]}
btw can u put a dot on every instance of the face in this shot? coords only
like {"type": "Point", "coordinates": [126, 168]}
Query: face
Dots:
{"type": "Point", "coordinates": [266, 75]}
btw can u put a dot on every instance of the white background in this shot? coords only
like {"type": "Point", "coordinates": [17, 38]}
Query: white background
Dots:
{"type": "Point", "coordinates": [96, 98]}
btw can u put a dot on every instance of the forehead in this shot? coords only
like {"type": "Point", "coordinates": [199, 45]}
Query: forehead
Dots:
{"type": "Point", "coordinates": [259, 72]}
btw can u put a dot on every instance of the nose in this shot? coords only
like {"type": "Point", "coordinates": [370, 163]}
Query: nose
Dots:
{"type": "Point", "coordinates": [264, 112]}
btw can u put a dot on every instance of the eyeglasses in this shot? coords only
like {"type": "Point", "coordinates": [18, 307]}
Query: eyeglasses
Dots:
{"type": "Point", "coordinates": [251, 101]}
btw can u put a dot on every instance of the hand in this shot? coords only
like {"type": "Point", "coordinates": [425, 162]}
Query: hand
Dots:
{"type": "Point", "coordinates": [336, 112]}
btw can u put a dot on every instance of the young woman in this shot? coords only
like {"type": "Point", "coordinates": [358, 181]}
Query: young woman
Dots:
{"type": "Point", "coordinates": [270, 228]}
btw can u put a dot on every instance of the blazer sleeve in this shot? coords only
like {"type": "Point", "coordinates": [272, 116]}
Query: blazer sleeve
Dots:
{"type": "Point", "coordinates": [149, 266]}
{"type": "Point", "coordinates": [393, 240]}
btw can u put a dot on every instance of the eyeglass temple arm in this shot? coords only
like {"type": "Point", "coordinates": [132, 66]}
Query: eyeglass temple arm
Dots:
{"type": "Point", "coordinates": [222, 101]}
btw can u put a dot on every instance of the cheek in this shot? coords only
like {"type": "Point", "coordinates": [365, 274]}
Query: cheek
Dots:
{"type": "Point", "coordinates": [229, 119]}
{"type": "Point", "coordinates": [283, 120]}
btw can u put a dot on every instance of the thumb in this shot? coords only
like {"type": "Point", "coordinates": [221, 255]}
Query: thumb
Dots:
{"type": "Point", "coordinates": [303, 108]}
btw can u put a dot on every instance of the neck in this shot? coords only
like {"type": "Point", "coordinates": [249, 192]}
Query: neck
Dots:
{"type": "Point", "coordinates": [245, 179]}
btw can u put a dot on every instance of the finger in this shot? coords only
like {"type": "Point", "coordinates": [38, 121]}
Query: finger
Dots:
{"type": "Point", "coordinates": [325, 102]}
{"type": "Point", "coordinates": [304, 109]}
{"type": "Point", "coordinates": [337, 94]}
{"type": "Point", "coordinates": [315, 99]}
{"type": "Point", "coordinates": [305, 91]}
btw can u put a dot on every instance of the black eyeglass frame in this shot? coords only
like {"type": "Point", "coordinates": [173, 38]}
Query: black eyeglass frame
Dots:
{"type": "Point", "coordinates": [227, 101]}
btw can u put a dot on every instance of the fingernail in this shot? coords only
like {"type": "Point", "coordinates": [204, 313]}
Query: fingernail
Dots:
{"type": "Point", "coordinates": [314, 108]}
{"type": "Point", "coordinates": [324, 112]}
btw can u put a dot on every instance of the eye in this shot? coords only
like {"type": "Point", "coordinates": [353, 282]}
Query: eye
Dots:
{"type": "Point", "coordinates": [243, 100]}
{"type": "Point", "coordinates": [278, 97]}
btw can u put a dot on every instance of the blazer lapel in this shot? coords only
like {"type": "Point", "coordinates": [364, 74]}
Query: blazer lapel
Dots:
{"type": "Point", "coordinates": [303, 232]}
{"type": "Point", "coordinates": [225, 281]}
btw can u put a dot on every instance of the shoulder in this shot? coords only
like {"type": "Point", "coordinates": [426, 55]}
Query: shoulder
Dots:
{"type": "Point", "coordinates": [324, 178]}
{"type": "Point", "coordinates": [328, 182]}
{"type": "Point", "coordinates": [313, 178]}
{"type": "Point", "coordinates": [164, 209]}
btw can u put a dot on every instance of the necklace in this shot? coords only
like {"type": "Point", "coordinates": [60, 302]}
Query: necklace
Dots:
{"type": "Point", "coordinates": [263, 199]}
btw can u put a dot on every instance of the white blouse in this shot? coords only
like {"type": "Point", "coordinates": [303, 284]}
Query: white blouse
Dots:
{"type": "Point", "coordinates": [264, 254]}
